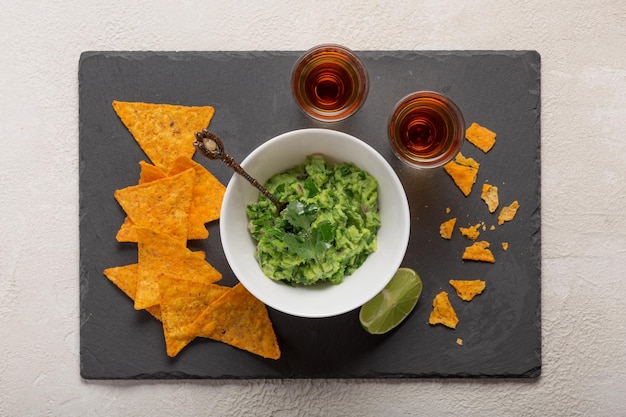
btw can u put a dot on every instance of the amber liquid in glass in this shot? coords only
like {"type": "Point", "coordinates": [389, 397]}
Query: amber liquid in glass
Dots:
{"type": "Point", "coordinates": [426, 129]}
{"type": "Point", "coordinates": [329, 83]}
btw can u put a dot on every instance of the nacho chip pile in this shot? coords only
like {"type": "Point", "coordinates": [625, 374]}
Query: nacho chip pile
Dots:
{"type": "Point", "coordinates": [172, 202]}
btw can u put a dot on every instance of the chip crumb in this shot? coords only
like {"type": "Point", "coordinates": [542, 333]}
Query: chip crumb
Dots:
{"type": "Point", "coordinates": [463, 172]}
{"type": "Point", "coordinates": [481, 137]}
{"type": "Point", "coordinates": [447, 210]}
{"type": "Point", "coordinates": [471, 232]}
{"type": "Point", "coordinates": [508, 213]}
{"type": "Point", "coordinates": [442, 312]}
{"type": "Point", "coordinates": [505, 245]}
{"type": "Point", "coordinates": [493, 227]}
{"type": "Point", "coordinates": [459, 341]}
{"type": "Point", "coordinates": [489, 195]}
{"type": "Point", "coordinates": [479, 252]}
{"type": "Point", "coordinates": [446, 228]}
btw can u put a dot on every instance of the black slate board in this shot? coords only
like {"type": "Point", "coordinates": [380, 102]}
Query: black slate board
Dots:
{"type": "Point", "coordinates": [500, 329]}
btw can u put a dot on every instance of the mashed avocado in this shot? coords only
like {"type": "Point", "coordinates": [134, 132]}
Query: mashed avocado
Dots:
{"type": "Point", "coordinates": [326, 231]}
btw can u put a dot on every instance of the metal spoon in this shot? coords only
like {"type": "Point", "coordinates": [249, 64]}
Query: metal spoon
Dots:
{"type": "Point", "coordinates": [212, 147]}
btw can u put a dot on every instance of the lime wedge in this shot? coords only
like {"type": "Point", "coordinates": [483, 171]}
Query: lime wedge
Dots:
{"type": "Point", "coordinates": [393, 304]}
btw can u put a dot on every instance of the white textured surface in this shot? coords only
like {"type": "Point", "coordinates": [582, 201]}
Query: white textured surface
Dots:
{"type": "Point", "coordinates": [582, 44]}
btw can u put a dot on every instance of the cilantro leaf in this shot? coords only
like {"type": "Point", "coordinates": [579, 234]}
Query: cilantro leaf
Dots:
{"type": "Point", "coordinates": [300, 215]}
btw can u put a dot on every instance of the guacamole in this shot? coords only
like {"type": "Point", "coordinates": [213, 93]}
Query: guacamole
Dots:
{"type": "Point", "coordinates": [326, 231]}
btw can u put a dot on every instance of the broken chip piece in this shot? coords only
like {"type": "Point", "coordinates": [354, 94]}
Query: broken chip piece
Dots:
{"type": "Point", "coordinates": [481, 137]}
{"type": "Point", "coordinates": [442, 312]}
{"type": "Point", "coordinates": [508, 213]}
{"type": "Point", "coordinates": [468, 289]}
{"type": "Point", "coordinates": [489, 195]}
{"type": "Point", "coordinates": [471, 232]}
{"type": "Point", "coordinates": [446, 228]}
{"type": "Point", "coordinates": [479, 252]}
{"type": "Point", "coordinates": [463, 172]}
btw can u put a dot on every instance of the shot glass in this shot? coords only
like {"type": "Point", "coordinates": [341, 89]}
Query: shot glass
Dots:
{"type": "Point", "coordinates": [329, 83]}
{"type": "Point", "coordinates": [426, 129]}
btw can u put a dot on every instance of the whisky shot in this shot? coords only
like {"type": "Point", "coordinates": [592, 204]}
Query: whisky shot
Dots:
{"type": "Point", "coordinates": [426, 129]}
{"type": "Point", "coordinates": [329, 83]}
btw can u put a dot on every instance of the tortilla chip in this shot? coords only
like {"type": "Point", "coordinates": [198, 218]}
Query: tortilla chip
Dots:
{"type": "Point", "coordinates": [443, 313]}
{"type": "Point", "coordinates": [505, 245]}
{"type": "Point", "coordinates": [508, 213]}
{"type": "Point", "coordinates": [463, 171]}
{"type": "Point", "coordinates": [148, 173]}
{"type": "Point", "coordinates": [240, 320]}
{"type": "Point", "coordinates": [164, 131]}
{"type": "Point", "coordinates": [468, 289]}
{"type": "Point", "coordinates": [159, 253]}
{"type": "Point", "coordinates": [446, 228]}
{"type": "Point", "coordinates": [489, 195]}
{"type": "Point", "coordinates": [182, 301]}
{"type": "Point", "coordinates": [481, 137]}
{"type": "Point", "coordinates": [206, 197]}
{"type": "Point", "coordinates": [479, 252]}
{"type": "Point", "coordinates": [126, 232]}
{"type": "Point", "coordinates": [471, 232]}
{"type": "Point", "coordinates": [125, 277]}
{"type": "Point", "coordinates": [161, 205]}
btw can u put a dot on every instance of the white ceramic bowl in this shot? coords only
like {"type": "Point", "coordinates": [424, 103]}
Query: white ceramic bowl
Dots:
{"type": "Point", "coordinates": [320, 300]}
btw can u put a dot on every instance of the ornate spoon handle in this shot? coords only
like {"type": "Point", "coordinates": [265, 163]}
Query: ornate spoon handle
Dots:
{"type": "Point", "coordinates": [212, 147]}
